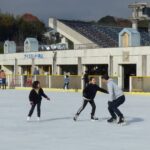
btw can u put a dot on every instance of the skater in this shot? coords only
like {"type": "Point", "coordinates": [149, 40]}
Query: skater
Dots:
{"type": "Point", "coordinates": [66, 82]}
{"type": "Point", "coordinates": [116, 98]}
{"type": "Point", "coordinates": [3, 77]}
{"type": "Point", "coordinates": [89, 94]}
{"type": "Point", "coordinates": [35, 98]}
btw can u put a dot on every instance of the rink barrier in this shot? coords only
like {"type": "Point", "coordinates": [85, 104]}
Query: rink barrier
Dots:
{"type": "Point", "coordinates": [139, 84]}
{"type": "Point", "coordinates": [80, 91]}
{"type": "Point", "coordinates": [47, 81]}
{"type": "Point", "coordinates": [51, 81]}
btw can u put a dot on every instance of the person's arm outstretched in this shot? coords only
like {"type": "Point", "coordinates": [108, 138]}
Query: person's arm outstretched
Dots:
{"type": "Point", "coordinates": [44, 95]}
{"type": "Point", "coordinates": [102, 90]}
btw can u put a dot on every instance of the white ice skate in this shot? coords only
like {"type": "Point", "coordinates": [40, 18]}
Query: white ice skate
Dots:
{"type": "Point", "coordinates": [38, 118]}
{"type": "Point", "coordinates": [28, 118]}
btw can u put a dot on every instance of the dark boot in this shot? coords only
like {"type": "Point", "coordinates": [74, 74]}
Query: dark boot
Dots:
{"type": "Point", "coordinates": [112, 120]}
{"type": "Point", "coordinates": [75, 117]}
{"type": "Point", "coordinates": [94, 118]}
{"type": "Point", "coordinates": [121, 120]}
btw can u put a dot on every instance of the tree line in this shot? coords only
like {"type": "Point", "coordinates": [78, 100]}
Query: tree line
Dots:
{"type": "Point", "coordinates": [17, 28]}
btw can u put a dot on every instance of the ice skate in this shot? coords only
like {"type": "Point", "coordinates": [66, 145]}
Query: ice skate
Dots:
{"type": "Point", "coordinates": [112, 120]}
{"type": "Point", "coordinates": [38, 118]}
{"type": "Point", "coordinates": [75, 117]}
{"type": "Point", "coordinates": [121, 120]}
{"type": "Point", "coordinates": [28, 118]}
{"type": "Point", "coordinates": [94, 118]}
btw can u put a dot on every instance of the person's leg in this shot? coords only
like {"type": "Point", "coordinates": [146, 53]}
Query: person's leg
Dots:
{"type": "Point", "coordinates": [64, 85]}
{"type": "Point", "coordinates": [2, 83]}
{"type": "Point", "coordinates": [116, 104]}
{"type": "Point", "coordinates": [39, 109]}
{"type": "Point", "coordinates": [67, 85]}
{"type": "Point", "coordinates": [93, 108]}
{"type": "Point", "coordinates": [5, 84]}
{"type": "Point", "coordinates": [82, 107]}
{"type": "Point", "coordinates": [111, 111]}
{"type": "Point", "coordinates": [31, 110]}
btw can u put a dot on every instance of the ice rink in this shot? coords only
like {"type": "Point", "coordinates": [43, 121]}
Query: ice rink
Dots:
{"type": "Point", "coordinates": [58, 131]}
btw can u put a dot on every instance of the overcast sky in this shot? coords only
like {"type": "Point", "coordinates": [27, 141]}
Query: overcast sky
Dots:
{"type": "Point", "coordinates": [68, 9]}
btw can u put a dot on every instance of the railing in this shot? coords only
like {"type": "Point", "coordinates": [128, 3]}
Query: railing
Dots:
{"type": "Point", "coordinates": [50, 81]}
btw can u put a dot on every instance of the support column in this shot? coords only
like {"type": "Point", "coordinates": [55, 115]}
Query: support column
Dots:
{"type": "Point", "coordinates": [84, 68]}
{"type": "Point", "coordinates": [110, 65]}
{"type": "Point", "coordinates": [79, 66]}
{"type": "Point", "coordinates": [19, 70]}
{"type": "Point", "coordinates": [54, 67]}
{"type": "Point", "coordinates": [130, 84]}
{"type": "Point", "coordinates": [139, 66]}
{"type": "Point", "coordinates": [32, 65]}
{"type": "Point", "coordinates": [144, 65]}
{"type": "Point", "coordinates": [16, 67]}
{"type": "Point", "coordinates": [58, 70]}
{"type": "Point", "coordinates": [121, 77]}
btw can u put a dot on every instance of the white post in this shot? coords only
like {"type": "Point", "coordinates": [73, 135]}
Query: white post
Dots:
{"type": "Point", "coordinates": [121, 77]}
{"type": "Point", "coordinates": [130, 84]}
{"type": "Point", "coordinates": [21, 80]}
{"type": "Point", "coordinates": [49, 84]}
{"type": "Point", "coordinates": [100, 81]}
{"type": "Point", "coordinates": [8, 81]}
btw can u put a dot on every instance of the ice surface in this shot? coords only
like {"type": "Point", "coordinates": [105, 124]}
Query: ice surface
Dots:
{"type": "Point", "coordinates": [57, 130]}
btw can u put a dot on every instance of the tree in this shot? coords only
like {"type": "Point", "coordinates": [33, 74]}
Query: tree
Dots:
{"type": "Point", "coordinates": [108, 20]}
{"type": "Point", "coordinates": [20, 27]}
{"type": "Point", "coordinates": [113, 21]}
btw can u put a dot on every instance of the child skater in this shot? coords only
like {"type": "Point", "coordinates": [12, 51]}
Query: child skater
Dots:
{"type": "Point", "coordinates": [89, 94]}
{"type": "Point", "coordinates": [116, 98]}
{"type": "Point", "coordinates": [35, 98]}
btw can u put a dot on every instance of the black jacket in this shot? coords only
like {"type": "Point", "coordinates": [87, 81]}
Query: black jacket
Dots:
{"type": "Point", "coordinates": [36, 97]}
{"type": "Point", "coordinates": [90, 91]}
{"type": "Point", "coordinates": [86, 78]}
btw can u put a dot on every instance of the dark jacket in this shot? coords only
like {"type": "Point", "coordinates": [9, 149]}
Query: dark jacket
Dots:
{"type": "Point", "coordinates": [86, 78]}
{"type": "Point", "coordinates": [90, 91]}
{"type": "Point", "coordinates": [36, 97]}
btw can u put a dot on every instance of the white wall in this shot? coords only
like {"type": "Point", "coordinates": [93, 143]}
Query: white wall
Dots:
{"type": "Point", "coordinates": [90, 56]}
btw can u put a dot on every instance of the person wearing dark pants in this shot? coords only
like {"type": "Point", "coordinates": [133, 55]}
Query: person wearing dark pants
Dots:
{"type": "Point", "coordinates": [38, 109]}
{"type": "Point", "coordinates": [116, 98]}
{"type": "Point", "coordinates": [113, 107]}
{"type": "Point", "coordinates": [3, 77]}
{"type": "Point", "coordinates": [66, 82]}
{"type": "Point", "coordinates": [89, 94]}
{"type": "Point", "coordinates": [35, 98]}
{"type": "Point", "coordinates": [85, 102]}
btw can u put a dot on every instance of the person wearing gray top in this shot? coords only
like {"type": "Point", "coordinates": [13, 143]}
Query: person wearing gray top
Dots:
{"type": "Point", "coordinates": [116, 98]}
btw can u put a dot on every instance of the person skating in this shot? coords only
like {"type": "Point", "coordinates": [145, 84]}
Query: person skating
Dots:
{"type": "Point", "coordinates": [35, 98]}
{"type": "Point", "coordinates": [116, 98]}
{"type": "Point", "coordinates": [3, 77]}
{"type": "Point", "coordinates": [66, 82]}
{"type": "Point", "coordinates": [89, 94]}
